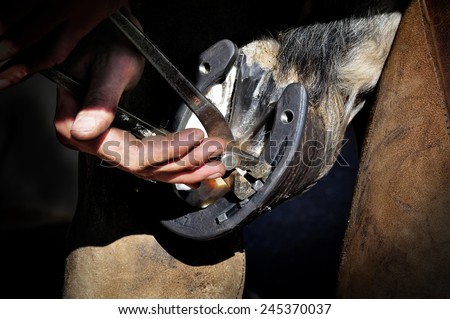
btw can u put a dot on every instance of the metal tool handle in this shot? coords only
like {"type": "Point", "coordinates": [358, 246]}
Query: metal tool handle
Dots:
{"type": "Point", "coordinates": [123, 119]}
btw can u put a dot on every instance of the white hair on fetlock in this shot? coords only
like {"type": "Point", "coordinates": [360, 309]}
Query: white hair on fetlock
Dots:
{"type": "Point", "coordinates": [339, 63]}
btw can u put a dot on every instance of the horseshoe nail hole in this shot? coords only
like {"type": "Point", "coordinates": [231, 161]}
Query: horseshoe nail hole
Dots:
{"type": "Point", "coordinates": [205, 68]}
{"type": "Point", "coordinates": [287, 116]}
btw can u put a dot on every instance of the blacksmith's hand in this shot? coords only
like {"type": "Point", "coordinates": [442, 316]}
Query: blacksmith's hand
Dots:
{"type": "Point", "coordinates": [110, 65]}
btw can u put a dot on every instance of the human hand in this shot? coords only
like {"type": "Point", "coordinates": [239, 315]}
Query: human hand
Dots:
{"type": "Point", "coordinates": [111, 66]}
{"type": "Point", "coordinates": [37, 34]}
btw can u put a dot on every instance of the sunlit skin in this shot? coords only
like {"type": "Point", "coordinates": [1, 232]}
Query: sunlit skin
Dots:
{"type": "Point", "coordinates": [34, 38]}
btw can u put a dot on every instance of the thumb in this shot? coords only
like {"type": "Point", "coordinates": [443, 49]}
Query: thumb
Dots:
{"type": "Point", "coordinates": [114, 70]}
{"type": "Point", "coordinates": [108, 82]}
{"type": "Point", "coordinates": [96, 115]}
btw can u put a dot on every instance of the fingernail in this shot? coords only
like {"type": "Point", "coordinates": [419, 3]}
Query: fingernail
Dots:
{"type": "Point", "coordinates": [215, 175]}
{"type": "Point", "coordinates": [215, 150]}
{"type": "Point", "coordinates": [84, 124]}
{"type": "Point", "coordinates": [4, 83]}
